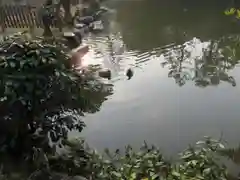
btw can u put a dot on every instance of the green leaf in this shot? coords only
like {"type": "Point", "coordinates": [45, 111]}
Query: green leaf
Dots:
{"type": "Point", "coordinates": [176, 174]}
{"type": "Point", "coordinates": [186, 156]}
{"type": "Point", "coordinates": [200, 177]}
{"type": "Point", "coordinates": [230, 11]}
{"type": "Point", "coordinates": [44, 60]}
{"type": "Point", "coordinates": [116, 174]}
{"type": "Point", "coordinates": [12, 64]}
{"type": "Point", "coordinates": [133, 176]}
{"type": "Point", "coordinates": [207, 171]}
{"type": "Point", "coordinates": [194, 162]}
{"type": "Point", "coordinates": [221, 146]}
{"type": "Point", "coordinates": [200, 142]}
{"type": "Point", "coordinates": [37, 52]}
{"type": "Point", "coordinates": [154, 175]}
{"type": "Point", "coordinates": [107, 162]}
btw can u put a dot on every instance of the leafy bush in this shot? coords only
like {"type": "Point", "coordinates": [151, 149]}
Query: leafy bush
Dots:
{"type": "Point", "coordinates": [201, 161]}
{"type": "Point", "coordinates": [41, 97]}
{"type": "Point", "coordinates": [196, 163]}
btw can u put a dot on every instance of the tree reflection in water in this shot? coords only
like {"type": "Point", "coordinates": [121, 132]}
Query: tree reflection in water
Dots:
{"type": "Point", "coordinates": [205, 63]}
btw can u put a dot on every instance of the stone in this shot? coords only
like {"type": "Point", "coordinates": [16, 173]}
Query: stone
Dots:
{"type": "Point", "coordinates": [105, 73]}
{"type": "Point", "coordinates": [72, 40]}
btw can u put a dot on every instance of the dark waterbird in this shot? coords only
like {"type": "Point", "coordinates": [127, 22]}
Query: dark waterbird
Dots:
{"type": "Point", "coordinates": [129, 73]}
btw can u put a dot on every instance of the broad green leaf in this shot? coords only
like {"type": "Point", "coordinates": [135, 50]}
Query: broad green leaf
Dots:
{"type": "Point", "coordinates": [207, 171]}
{"type": "Point", "coordinates": [221, 146]}
{"type": "Point", "coordinates": [200, 142]}
{"type": "Point", "coordinates": [12, 64]}
{"type": "Point", "coordinates": [154, 175]}
{"type": "Point", "coordinates": [230, 11]}
{"type": "Point", "coordinates": [176, 174]}
{"type": "Point", "coordinates": [133, 176]}
{"type": "Point", "coordinates": [116, 174]}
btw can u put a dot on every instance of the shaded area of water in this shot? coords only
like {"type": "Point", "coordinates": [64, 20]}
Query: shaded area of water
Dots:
{"type": "Point", "coordinates": [185, 59]}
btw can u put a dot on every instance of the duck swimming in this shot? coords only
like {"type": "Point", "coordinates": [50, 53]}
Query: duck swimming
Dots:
{"type": "Point", "coordinates": [129, 73]}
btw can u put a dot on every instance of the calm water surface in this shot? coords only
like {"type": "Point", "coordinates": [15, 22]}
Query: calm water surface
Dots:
{"type": "Point", "coordinates": [186, 75]}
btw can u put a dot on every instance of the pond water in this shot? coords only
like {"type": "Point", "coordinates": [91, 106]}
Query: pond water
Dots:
{"type": "Point", "coordinates": [185, 57]}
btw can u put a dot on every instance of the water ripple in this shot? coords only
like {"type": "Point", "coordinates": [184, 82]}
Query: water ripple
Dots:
{"type": "Point", "coordinates": [183, 61]}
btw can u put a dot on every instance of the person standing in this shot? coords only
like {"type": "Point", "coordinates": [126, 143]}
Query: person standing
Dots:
{"type": "Point", "coordinates": [47, 17]}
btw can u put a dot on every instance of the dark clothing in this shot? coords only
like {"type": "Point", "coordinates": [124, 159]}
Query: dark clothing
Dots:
{"type": "Point", "coordinates": [47, 14]}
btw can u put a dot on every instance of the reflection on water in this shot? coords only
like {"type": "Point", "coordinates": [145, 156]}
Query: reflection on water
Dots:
{"type": "Point", "coordinates": [111, 53]}
{"type": "Point", "coordinates": [174, 50]}
{"type": "Point", "coordinates": [204, 63]}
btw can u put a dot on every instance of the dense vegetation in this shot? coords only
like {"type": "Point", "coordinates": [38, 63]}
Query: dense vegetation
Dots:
{"type": "Point", "coordinates": [42, 98]}
{"type": "Point", "coordinates": [197, 162]}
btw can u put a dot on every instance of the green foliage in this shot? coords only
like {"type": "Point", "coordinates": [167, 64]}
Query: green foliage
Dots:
{"type": "Point", "coordinates": [232, 12]}
{"type": "Point", "coordinates": [201, 162]}
{"type": "Point", "coordinates": [196, 163]}
{"type": "Point", "coordinates": [40, 95]}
